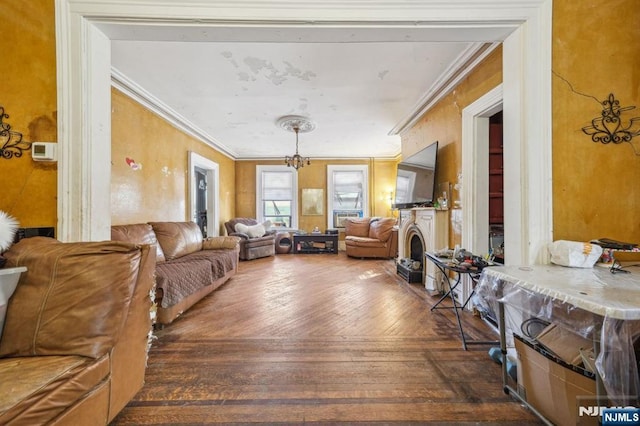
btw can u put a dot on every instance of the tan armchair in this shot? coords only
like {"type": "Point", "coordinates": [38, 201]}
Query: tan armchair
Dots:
{"type": "Point", "coordinates": [252, 245]}
{"type": "Point", "coordinates": [371, 237]}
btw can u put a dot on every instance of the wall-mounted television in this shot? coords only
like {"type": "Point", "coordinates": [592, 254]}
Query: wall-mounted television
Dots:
{"type": "Point", "coordinates": [416, 179]}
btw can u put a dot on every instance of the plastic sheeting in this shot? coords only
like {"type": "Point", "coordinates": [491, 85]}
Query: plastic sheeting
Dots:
{"type": "Point", "coordinates": [594, 303]}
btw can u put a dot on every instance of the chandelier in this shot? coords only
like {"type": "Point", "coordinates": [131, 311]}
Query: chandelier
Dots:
{"type": "Point", "coordinates": [297, 124]}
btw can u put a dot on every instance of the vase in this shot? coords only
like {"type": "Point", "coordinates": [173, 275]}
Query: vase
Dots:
{"type": "Point", "coordinates": [8, 282]}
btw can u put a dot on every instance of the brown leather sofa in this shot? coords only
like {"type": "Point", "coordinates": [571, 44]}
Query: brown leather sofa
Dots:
{"type": "Point", "coordinates": [251, 246]}
{"type": "Point", "coordinates": [74, 346]}
{"type": "Point", "coordinates": [188, 267]}
{"type": "Point", "coordinates": [371, 237]}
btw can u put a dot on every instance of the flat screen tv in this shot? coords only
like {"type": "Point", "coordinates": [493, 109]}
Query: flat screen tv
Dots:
{"type": "Point", "coordinates": [416, 179]}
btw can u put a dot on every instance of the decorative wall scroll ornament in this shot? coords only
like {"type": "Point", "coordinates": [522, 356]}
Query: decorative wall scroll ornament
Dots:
{"type": "Point", "coordinates": [11, 143]}
{"type": "Point", "coordinates": [611, 127]}
{"type": "Point", "coordinates": [297, 124]}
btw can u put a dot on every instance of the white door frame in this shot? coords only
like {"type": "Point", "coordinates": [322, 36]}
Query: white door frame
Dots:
{"type": "Point", "coordinates": [212, 170]}
{"type": "Point", "coordinates": [84, 115]}
{"type": "Point", "coordinates": [475, 165]}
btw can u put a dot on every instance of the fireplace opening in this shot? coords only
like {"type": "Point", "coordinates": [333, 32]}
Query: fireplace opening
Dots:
{"type": "Point", "coordinates": [412, 268]}
{"type": "Point", "coordinates": [417, 248]}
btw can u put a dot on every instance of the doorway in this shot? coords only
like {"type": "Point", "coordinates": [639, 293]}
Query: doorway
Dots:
{"type": "Point", "coordinates": [83, 47]}
{"type": "Point", "coordinates": [476, 174]}
{"type": "Point", "coordinates": [201, 200]}
{"type": "Point", "coordinates": [204, 188]}
{"type": "Point", "coordinates": [496, 188]}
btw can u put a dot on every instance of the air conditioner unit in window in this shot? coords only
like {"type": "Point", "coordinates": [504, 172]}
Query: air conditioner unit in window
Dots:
{"type": "Point", "coordinates": [340, 215]}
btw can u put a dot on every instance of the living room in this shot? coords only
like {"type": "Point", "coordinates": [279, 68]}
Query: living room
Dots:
{"type": "Point", "coordinates": [581, 189]}
{"type": "Point", "coordinates": [580, 196]}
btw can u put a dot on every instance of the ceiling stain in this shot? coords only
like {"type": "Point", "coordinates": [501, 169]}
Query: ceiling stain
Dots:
{"type": "Point", "coordinates": [229, 55]}
{"type": "Point", "coordinates": [273, 74]}
{"type": "Point", "coordinates": [297, 72]}
{"type": "Point", "coordinates": [382, 74]}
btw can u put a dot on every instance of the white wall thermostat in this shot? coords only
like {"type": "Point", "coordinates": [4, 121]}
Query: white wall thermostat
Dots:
{"type": "Point", "coordinates": [43, 151]}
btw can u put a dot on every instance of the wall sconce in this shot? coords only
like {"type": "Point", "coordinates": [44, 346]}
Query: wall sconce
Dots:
{"type": "Point", "coordinates": [609, 127]}
{"type": "Point", "coordinates": [11, 143]}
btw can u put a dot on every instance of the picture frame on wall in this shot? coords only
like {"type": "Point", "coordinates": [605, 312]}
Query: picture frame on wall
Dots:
{"type": "Point", "coordinates": [312, 202]}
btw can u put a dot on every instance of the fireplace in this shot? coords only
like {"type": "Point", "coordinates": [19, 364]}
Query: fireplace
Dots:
{"type": "Point", "coordinates": [411, 266]}
{"type": "Point", "coordinates": [422, 229]}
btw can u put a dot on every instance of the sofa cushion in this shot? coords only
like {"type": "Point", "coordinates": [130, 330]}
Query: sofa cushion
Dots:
{"type": "Point", "coordinates": [381, 229]}
{"type": "Point", "coordinates": [221, 261]}
{"type": "Point", "coordinates": [357, 227]}
{"type": "Point", "coordinates": [218, 243]}
{"type": "Point", "coordinates": [178, 279]}
{"type": "Point", "coordinates": [139, 233]}
{"type": "Point", "coordinates": [364, 242]}
{"type": "Point", "coordinates": [178, 238]}
{"type": "Point", "coordinates": [35, 390]}
{"type": "Point", "coordinates": [63, 305]}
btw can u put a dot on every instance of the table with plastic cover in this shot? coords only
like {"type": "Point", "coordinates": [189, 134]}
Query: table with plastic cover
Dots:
{"type": "Point", "coordinates": [593, 302]}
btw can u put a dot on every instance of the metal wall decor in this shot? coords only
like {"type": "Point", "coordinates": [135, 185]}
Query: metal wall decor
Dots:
{"type": "Point", "coordinates": [610, 127]}
{"type": "Point", "coordinates": [11, 143]}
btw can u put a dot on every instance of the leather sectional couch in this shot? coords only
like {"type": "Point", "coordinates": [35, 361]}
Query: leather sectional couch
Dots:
{"type": "Point", "coordinates": [371, 237]}
{"type": "Point", "coordinates": [74, 345]}
{"type": "Point", "coordinates": [187, 267]}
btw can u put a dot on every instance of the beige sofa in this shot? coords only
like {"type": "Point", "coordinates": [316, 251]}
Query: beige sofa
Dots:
{"type": "Point", "coordinates": [188, 267]}
{"type": "Point", "coordinates": [74, 346]}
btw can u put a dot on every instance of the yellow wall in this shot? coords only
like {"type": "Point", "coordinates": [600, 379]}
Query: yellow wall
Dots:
{"type": "Point", "coordinates": [149, 167]}
{"type": "Point", "coordinates": [28, 95]}
{"type": "Point", "coordinates": [381, 181]}
{"type": "Point", "coordinates": [443, 123]}
{"type": "Point", "coordinates": [596, 51]}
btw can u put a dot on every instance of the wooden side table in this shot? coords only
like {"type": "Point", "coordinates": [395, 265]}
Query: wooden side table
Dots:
{"type": "Point", "coordinates": [315, 243]}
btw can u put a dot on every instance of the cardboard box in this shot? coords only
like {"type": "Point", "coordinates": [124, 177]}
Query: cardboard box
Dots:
{"type": "Point", "coordinates": [564, 344]}
{"type": "Point", "coordinates": [552, 387]}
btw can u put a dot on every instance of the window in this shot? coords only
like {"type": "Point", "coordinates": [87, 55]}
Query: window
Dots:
{"type": "Point", "coordinates": [347, 189]}
{"type": "Point", "coordinates": [276, 195]}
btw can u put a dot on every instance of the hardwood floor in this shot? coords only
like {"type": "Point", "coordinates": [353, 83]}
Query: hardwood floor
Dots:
{"type": "Point", "coordinates": [324, 339]}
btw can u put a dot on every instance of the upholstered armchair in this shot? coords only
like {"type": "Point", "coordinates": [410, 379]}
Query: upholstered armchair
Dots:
{"type": "Point", "coordinates": [371, 237]}
{"type": "Point", "coordinates": [256, 239]}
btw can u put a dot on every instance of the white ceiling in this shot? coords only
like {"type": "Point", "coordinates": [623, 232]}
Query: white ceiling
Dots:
{"type": "Point", "coordinates": [231, 85]}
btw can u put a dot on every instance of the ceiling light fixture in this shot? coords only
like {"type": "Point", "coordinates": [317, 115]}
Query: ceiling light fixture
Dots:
{"type": "Point", "coordinates": [297, 124]}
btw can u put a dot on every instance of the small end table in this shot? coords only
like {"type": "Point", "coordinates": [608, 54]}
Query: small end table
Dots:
{"type": "Point", "coordinates": [283, 243]}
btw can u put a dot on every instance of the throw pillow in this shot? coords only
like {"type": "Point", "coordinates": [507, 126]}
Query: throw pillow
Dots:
{"type": "Point", "coordinates": [252, 231]}
{"type": "Point", "coordinates": [216, 243]}
{"type": "Point", "coordinates": [256, 231]}
{"type": "Point", "coordinates": [241, 228]}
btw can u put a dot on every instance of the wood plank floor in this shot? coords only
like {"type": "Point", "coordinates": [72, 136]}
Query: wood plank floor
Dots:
{"type": "Point", "coordinates": [320, 339]}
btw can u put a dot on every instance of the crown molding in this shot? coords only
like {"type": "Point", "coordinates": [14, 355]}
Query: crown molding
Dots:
{"type": "Point", "coordinates": [155, 105]}
{"type": "Point", "coordinates": [453, 75]}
